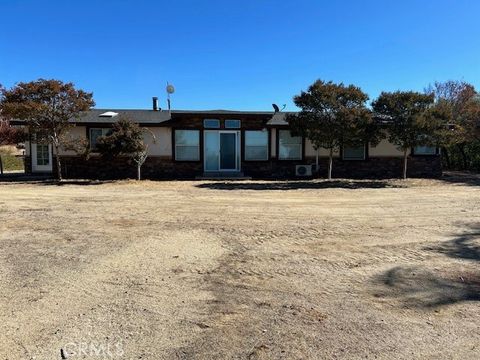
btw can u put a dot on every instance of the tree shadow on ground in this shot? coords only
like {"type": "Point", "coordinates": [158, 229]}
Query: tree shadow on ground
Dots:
{"type": "Point", "coordinates": [461, 178]}
{"type": "Point", "coordinates": [417, 287]}
{"type": "Point", "coordinates": [298, 185]}
{"type": "Point", "coordinates": [465, 246]}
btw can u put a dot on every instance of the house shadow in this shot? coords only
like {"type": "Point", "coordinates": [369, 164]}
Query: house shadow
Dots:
{"type": "Point", "coordinates": [80, 182]}
{"type": "Point", "coordinates": [51, 182]}
{"type": "Point", "coordinates": [298, 185]}
{"type": "Point", "coordinates": [416, 286]}
{"type": "Point", "coordinates": [461, 178]}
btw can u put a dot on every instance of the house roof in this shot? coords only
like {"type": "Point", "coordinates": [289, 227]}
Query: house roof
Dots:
{"type": "Point", "coordinates": [140, 116]}
{"type": "Point", "coordinates": [164, 117]}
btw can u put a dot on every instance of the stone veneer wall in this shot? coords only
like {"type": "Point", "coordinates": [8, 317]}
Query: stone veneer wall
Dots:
{"type": "Point", "coordinates": [165, 168]}
{"type": "Point", "coordinates": [122, 167]}
{"type": "Point", "coordinates": [373, 168]}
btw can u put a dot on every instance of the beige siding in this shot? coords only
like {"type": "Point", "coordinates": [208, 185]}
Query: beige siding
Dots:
{"type": "Point", "coordinates": [77, 132]}
{"type": "Point", "coordinates": [385, 149]}
{"type": "Point", "coordinates": [163, 141]}
{"type": "Point", "coordinates": [161, 147]}
{"type": "Point", "coordinates": [311, 152]}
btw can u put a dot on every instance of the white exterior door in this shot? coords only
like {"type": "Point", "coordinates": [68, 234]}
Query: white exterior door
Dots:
{"type": "Point", "coordinates": [41, 157]}
{"type": "Point", "coordinates": [221, 150]}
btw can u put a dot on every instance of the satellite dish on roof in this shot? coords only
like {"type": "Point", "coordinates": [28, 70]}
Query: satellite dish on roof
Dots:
{"type": "Point", "coordinates": [170, 88]}
{"type": "Point", "coordinates": [277, 109]}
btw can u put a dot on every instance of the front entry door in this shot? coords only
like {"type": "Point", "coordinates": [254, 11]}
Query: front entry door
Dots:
{"type": "Point", "coordinates": [221, 150]}
{"type": "Point", "coordinates": [228, 151]}
{"type": "Point", "coordinates": [41, 157]}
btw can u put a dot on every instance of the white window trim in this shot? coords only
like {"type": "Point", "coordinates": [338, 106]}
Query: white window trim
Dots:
{"type": "Point", "coordinates": [355, 159]}
{"type": "Point", "coordinates": [290, 144]}
{"type": "Point", "coordinates": [178, 146]}
{"type": "Point", "coordinates": [266, 146]}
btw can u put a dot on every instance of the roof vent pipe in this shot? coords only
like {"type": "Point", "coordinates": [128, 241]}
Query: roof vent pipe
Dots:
{"type": "Point", "coordinates": [155, 103]}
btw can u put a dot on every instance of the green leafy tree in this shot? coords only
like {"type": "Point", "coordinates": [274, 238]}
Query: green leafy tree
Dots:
{"type": "Point", "coordinates": [332, 115]}
{"type": "Point", "coordinates": [408, 122]}
{"type": "Point", "coordinates": [125, 139]}
{"type": "Point", "coordinates": [457, 104]}
{"type": "Point", "coordinates": [47, 106]}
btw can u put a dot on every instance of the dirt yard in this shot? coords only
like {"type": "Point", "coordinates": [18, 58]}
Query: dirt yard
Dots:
{"type": "Point", "coordinates": [242, 270]}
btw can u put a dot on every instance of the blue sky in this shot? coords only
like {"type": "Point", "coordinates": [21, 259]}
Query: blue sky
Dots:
{"type": "Point", "coordinates": [237, 54]}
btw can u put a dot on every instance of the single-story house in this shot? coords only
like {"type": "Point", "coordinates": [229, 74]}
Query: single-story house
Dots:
{"type": "Point", "coordinates": [192, 144]}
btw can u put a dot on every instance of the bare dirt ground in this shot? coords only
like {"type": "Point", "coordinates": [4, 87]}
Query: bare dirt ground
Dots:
{"type": "Point", "coordinates": [242, 270]}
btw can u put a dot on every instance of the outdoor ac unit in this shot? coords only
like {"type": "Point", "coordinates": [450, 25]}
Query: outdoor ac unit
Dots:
{"type": "Point", "coordinates": [303, 170]}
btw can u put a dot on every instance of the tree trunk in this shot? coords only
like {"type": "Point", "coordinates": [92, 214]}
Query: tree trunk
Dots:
{"type": "Point", "coordinates": [461, 148]}
{"type": "Point", "coordinates": [330, 164]}
{"type": "Point", "coordinates": [317, 167]}
{"type": "Point", "coordinates": [139, 172]}
{"type": "Point", "coordinates": [405, 161]}
{"type": "Point", "coordinates": [447, 157]}
{"type": "Point", "coordinates": [59, 165]}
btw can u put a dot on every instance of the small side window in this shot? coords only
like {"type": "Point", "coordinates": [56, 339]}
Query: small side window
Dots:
{"type": "Point", "coordinates": [232, 124]}
{"type": "Point", "coordinates": [354, 152]}
{"type": "Point", "coordinates": [425, 150]}
{"type": "Point", "coordinates": [211, 124]}
{"type": "Point", "coordinates": [289, 147]}
{"type": "Point", "coordinates": [187, 145]}
{"type": "Point", "coordinates": [256, 145]}
{"type": "Point", "coordinates": [95, 134]}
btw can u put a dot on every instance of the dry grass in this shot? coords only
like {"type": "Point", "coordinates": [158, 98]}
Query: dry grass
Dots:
{"type": "Point", "coordinates": [10, 158]}
{"type": "Point", "coordinates": [247, 270]}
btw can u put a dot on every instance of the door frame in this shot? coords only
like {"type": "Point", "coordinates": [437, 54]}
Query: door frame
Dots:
{"type": "Point", "coordinates": [238, 153]}
{"type": "Point", "coordinates": [42, 168]}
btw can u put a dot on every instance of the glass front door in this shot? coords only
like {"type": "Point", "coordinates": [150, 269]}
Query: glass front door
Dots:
{"type": "Point", "coordinates": [221, 150]}
{"type": "Point", "coordinates": [228, 151]}
{"type": "Point", "coordinates": [211, 152]}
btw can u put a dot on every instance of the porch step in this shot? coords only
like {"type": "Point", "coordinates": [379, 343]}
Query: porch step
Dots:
{"type": "Point", "coordinates": [223, 176]}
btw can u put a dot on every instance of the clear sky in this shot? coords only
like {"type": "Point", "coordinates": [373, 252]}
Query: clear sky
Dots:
{"type": "Point", "coordinates": [242, 54]}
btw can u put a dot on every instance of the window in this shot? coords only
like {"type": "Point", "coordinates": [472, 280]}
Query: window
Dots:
{"type": "Point", "coordinates": [95, 133]}
{"type": "Point", "coordinates": [354, 152]}
{"type": "Point", "coordinates": [43, 154]}
{"type": "Point", "coordinates": [211, 124]}
{"type": "Point", "coordinates": [187, 145]}
{"type": "Point", "coordinates": [289, 147]}
{"type": "Point", "coordinates": [232, 124]}
{"type": "Point", "coordinates": [425, 150]}
{"type": "Point", "coordinates": [256, 145]}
